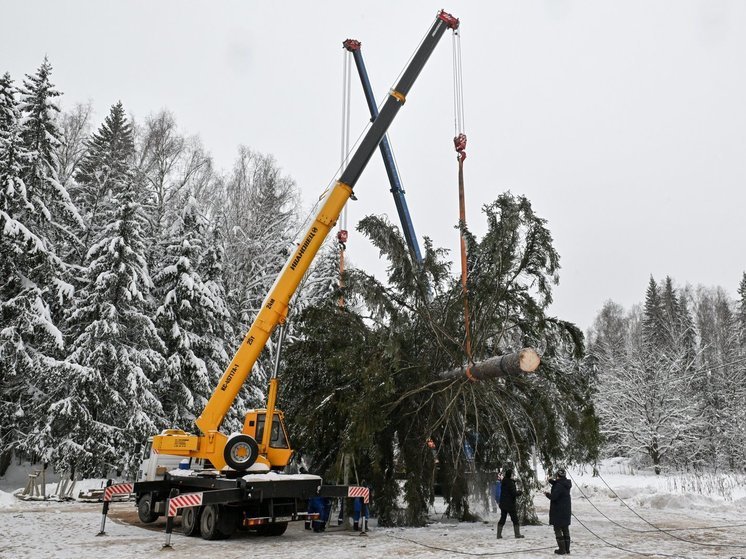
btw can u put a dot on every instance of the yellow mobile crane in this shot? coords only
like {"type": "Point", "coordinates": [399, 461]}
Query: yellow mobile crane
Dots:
{"type": "Point", "coordinates": [175, 476]}
{"type": "Point", "coordinates": [257, 444]}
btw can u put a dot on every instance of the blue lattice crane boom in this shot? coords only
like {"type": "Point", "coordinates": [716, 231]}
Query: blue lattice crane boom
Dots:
{"type": "Point", "coordinates": [397, 191]}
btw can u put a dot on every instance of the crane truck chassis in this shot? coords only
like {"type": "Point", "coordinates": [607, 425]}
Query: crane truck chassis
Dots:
{"type": "Point", "coordinates": [215, 506]}
{"type": "Point", "coordinates": [234, 480]}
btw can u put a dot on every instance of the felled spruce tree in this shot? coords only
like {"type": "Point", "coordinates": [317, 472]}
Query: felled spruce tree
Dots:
{"type": "Point", "coordinates": [398, 417]}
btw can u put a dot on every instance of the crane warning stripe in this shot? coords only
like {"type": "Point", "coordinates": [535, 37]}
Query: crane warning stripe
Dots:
{"type": "Point", "coordinates": [355, 491]}
{"type": "Point", "coordinates": [118, 489]}
{"type": "Point", "coordinates": [188, 500]}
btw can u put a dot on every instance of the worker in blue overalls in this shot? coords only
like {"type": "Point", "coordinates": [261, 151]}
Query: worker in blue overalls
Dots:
{"type": "Point", "coordinates": [360, 507]}
{"type": "Point", "coordinates": [321, 506]}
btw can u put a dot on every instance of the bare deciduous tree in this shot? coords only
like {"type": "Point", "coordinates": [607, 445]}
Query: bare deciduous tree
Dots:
{"type": "Point", "coordinates": [75, 127]}
{"type": "Point", "coordinates": [171, 166]}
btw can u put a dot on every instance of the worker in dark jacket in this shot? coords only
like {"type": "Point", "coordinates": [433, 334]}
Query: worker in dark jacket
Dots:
{"type": "Point", "coordinates": [560, 510]}
{"type": "Point", "coordinates": [508, 494]}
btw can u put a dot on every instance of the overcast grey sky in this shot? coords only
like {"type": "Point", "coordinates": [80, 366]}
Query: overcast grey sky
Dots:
{"type": "Point", "coordinates": [623, 122]}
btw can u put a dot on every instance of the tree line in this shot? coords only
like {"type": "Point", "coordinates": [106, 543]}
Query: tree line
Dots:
{"type": "Point", "coordinates": [671, 377]}
{"type": "Point", "coordinates": [129, 269]}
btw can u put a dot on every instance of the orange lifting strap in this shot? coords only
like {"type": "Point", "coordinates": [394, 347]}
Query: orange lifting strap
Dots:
{"type": "Point", "coordinates": [459, 142]}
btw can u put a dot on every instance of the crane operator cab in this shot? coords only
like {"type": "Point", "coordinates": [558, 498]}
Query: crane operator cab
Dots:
{"type": "Point", "coordinates": [278, 453]}
{"type": "Point", "coordinates": [244, 449]}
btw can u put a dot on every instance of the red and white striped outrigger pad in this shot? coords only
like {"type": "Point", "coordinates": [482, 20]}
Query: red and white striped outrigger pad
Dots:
{"type": "Point", "coordinates": [356, 491]}
{"type": "Point", "coordinates": [188, 500]}
{"type": "Point", "coordinates": [117, 489]}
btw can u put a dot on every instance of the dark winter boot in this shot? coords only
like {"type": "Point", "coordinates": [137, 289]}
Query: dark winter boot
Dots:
{"type": "Point", "coordinates": [517, 531]}
{"type": "Point", "coordinates": [500, 531]}
{"type": "Point", "coordinates": [567, 545]}
{"type": "Point", "coordinates": [356, 526]}
{"type": "Point", "coordinates": [562, 547]}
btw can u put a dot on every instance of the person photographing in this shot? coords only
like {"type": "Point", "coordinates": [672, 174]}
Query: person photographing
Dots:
{"type": "Point", "coordinates": [560, 510]}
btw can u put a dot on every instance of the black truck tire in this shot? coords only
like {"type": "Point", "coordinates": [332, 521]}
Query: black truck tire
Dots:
{"type": "Point", "coordinates": [240, 452]}
{"type": "Point", "coordinates": [209, 523]}
{"type": "Point", "coordinates": [217, 522]}
{"type": "Point", "coordinates": [146, 509]}
{"type": "Point", "coordinates": [190, 520]}
{"type": "Point", "coordinates": [271, 530]}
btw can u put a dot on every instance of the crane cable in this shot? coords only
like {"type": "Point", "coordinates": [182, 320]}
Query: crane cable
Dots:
{"type": "Point", "coordinates": [656, 528]}
{"type": "Point", "coordinates": [344, 157]}
{"type": "Point", "coordinates": [459, 142]}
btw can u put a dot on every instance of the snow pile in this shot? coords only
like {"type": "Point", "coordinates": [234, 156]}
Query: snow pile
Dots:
{"type": "Point", "coordinates": [671, 501]}
{"type": "Point", "coordinates": [275, 476]}
{"type": "Point", "coordinates": [7, 500]}
{"type": "Point", "coordinates": [268, 476]}
{"type": "Point", "coordinates": [181, 473]}
{"type": "Point", "coordinates": [89, 484]}
{"type": "Point", "coordinates": [740, 503]}
{"type": "Point", "coordinates": [622, 482]}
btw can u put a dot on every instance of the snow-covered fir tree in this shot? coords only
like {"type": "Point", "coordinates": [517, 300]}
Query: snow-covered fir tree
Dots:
{"type": "Point", "coordinates": [104, 172]}
{"type": "Point", "coordinates": [56, 215]}
{"type": "Point", "coordinates": [108, 404]}
{"type": "Point", "coordinates": [677, 324]}
{"type": "Point", "coordinates": [321, 280]}
{"type": "Point", "coordinates": [720, 382]}
{"type": "Point", "coordinates": [29, 271]}
{"type": "Point", "coordinates": [608, 340]}
{"type": "Point", "coordinates": [212, 270]}
{"type": "Point", "coordinates": [190, 320]}
{"type": "Point", "coordinates": [653, 321]}
{"type": "Point", "coordinates": [741, 311]}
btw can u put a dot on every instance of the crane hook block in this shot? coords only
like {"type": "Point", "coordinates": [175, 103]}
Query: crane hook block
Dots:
{"type": "Point", "coordinates": [342, 236]}
{"type": "Point", "coordinates": [459, 143]}
{"type": "Point", "coordinates": [450, 20]}
{"type": "Point", "coordinates": [351, 45]}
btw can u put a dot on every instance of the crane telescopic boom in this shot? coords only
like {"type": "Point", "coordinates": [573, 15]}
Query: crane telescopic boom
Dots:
{"type": "Point", "coordinates": [397, 191]}
{"type": "Point", "coordinates": [240, 452]}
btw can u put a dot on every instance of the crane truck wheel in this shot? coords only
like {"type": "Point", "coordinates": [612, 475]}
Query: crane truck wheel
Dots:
{"type": "Point", "coordinates": [210, 522]}
{"type": "Point", "coordinates": [145, 509]}
{"type": "Point", "coordinates": [217, 522]}
{"type": "Point", "coordinates": [190, 520]}
{"type": "Point", "coordinates": [271, 530]}
{"type": "Point", "coordinates": [240, 453]}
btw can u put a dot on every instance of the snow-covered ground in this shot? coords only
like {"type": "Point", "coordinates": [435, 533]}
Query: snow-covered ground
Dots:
{"type": "Point", "coordinates": [705, 517]}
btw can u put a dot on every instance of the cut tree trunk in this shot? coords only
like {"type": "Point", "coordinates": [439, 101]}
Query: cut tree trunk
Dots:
{"type": "Point", "coordinates": [523, 361]}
